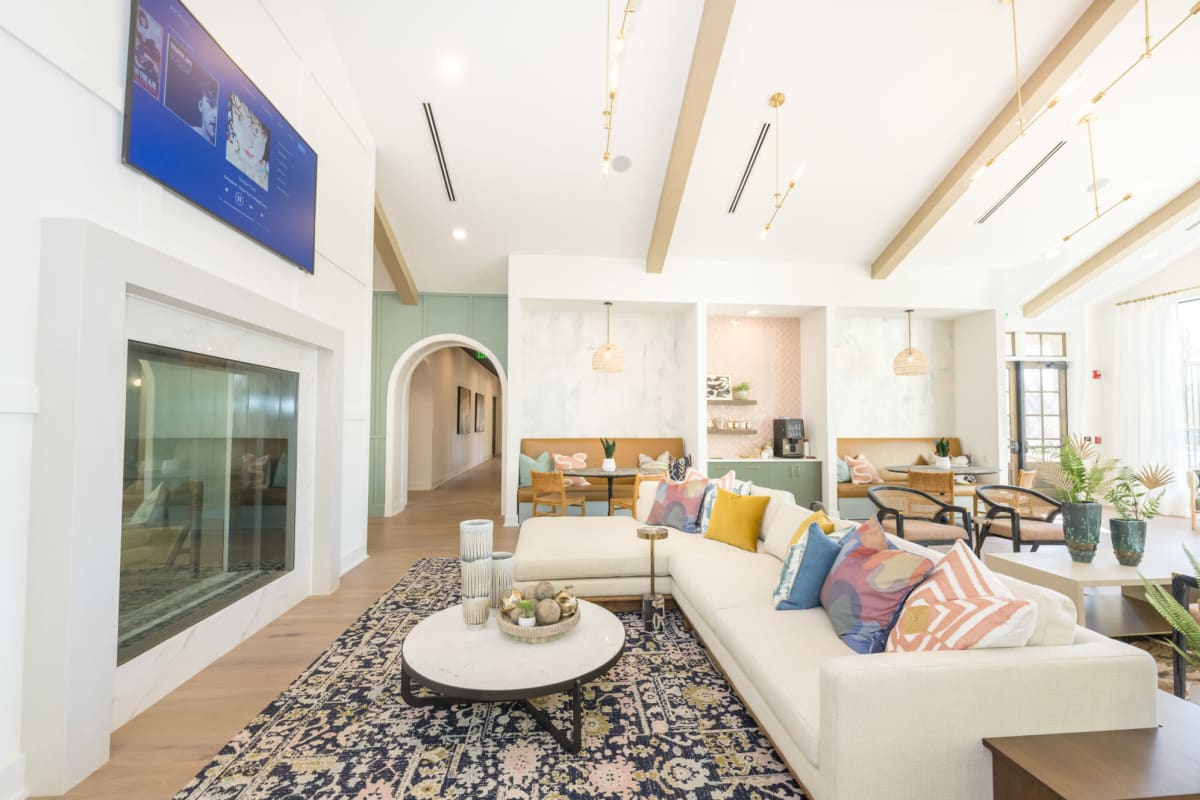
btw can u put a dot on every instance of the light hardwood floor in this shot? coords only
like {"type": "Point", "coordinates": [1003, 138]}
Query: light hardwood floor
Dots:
{"type": "Point", "coordinates": [159, 751]}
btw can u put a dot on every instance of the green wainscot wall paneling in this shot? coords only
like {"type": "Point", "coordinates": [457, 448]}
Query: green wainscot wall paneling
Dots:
{"type": "Point", "coordinates": [396, 327]}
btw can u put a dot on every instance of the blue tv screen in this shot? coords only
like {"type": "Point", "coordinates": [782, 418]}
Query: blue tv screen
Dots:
{"type": "Point", "coordinates": [196, 123]}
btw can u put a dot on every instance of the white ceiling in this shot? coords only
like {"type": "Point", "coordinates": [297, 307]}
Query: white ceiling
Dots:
{"type": "Point", "coordinates": [883, 98]}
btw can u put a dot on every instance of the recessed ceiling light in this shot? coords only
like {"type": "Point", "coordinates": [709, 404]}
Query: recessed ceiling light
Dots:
{"type": "Point", "coordinates": [753, 312]}
{"type": "Point", "coordinates": [621, 164]}
{"type": "Point", "coordinates": [1150, 256]}
{"type": "Point", "coordinates": [450, 67]}
{"type": "Point", "coordinates": [459, 233]}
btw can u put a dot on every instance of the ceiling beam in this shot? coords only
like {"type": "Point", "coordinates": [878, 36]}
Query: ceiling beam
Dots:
{"type": "Point", "coordinates": [706, 56]}
{"type": "Point", "coordinates": [393, 260]}
{"type": "Point", "coordinates": [1067, 57]}
{"type": "Point", "coordinates": [1178, 210]}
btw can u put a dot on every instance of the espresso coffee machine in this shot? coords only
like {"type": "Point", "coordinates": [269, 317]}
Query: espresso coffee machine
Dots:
{"type": "Point", "coordinates": [789, 438]}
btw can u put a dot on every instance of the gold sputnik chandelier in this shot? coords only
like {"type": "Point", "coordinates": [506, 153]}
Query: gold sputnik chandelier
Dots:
{"type": "Point", "coordinates": [776, 100]}
{"type": "Point", "coordinates": [1148, 49]}
{"type": "Point", "coordinates": [611, 72]}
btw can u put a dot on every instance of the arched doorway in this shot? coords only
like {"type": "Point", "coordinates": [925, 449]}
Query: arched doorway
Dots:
{"type": "Point", "coordinates": [396, 429]}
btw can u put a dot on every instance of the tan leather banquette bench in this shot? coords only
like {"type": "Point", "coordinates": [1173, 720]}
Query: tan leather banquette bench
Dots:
{"type": "Point", "coordinates": [625, 456]}
{"type": "Point", "coordinates": [891, 452]}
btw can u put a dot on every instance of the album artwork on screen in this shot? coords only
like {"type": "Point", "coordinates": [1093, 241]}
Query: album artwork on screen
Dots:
{"type": "Point", "coordinates": [196, 123]}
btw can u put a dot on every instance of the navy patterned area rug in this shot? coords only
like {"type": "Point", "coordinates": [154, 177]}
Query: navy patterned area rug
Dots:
{"type": "Point", "coordinates": [662, 723]}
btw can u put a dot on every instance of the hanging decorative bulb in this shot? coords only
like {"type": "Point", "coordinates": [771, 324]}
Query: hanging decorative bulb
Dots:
{"type": "Point", "coordinates": [910, 361]}
{"type": "Point", "coordinates": [608, 357]}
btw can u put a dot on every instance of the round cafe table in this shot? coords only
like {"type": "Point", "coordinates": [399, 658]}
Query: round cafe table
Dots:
{"type": "Point", "coordinates": [599, 472]}
{"type": "Point", "coordinates": [906, 468]}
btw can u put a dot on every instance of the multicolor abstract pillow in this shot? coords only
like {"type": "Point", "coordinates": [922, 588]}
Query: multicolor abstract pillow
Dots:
{"type": "Point", "coordinates": [729, 483]}
{"type": "Point", "coordinates": [678, 467]}
{"type": "Point", "coordinates": [678, 504]}
{"type": "Point", "coordinates": [574, 461]}
{"type": "Point", "coordinates": [862, 470]}
{"type": "Point", "coordinates": [805, 569]}
{"type": "Point", "coordinates": [867, 586]}
{"type": "Point", "coordinates": [962, 605]}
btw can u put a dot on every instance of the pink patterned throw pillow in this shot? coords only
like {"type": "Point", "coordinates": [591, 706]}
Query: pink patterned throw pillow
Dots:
{"type": "Point", "coordinates": [862, 470]}
{"type": "Point", "coordinates": [256, 471]}
{"type": "Point", "coordinates": [575, 461]}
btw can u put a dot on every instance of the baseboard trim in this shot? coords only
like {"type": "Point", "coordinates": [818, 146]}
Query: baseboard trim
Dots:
{"type": "Point", "coordinates": [511, 521]}
{"type": "Point", "coordinates": [12, 779]}
{"type": "Point", "coordinates": [352, 559]}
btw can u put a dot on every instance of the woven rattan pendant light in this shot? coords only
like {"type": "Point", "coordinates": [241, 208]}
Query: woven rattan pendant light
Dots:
{"type": "Point", "coordinates": [910, 361]}
{"type": "Point", "coordinates": [608, 357]}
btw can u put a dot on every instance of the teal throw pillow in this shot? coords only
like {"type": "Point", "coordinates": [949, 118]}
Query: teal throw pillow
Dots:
{"type": "Point", "coordinates": [280, 479]}
{"type": "Point", "coordinates": [805, 568]}
{"type": "Point", "coordinates": [843, 471]}
{"type": "Point", "coordinates": [527, 465]}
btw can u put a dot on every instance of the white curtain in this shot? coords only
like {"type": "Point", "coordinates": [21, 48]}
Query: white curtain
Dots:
{"type": "Point", "coordinates": [1147, 393]}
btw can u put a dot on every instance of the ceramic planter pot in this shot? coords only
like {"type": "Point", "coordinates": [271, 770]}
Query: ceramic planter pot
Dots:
{"type": "Point", "coordinates": [1081, 529]}
{"type": "Point", "coordinates": [1128, 540]}
{"type": "Point", "coordinates": [741, 395]}
{"type": "Point", "coordinates": [527, 622]}
{"type": "Point", "coordinates": [941, 462]}
{"type": "Point", "coordinates": [609, 465]}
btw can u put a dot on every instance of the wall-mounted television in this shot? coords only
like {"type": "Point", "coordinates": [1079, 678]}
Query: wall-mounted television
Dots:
{"type": "Point", "coordinates": [195, 123]}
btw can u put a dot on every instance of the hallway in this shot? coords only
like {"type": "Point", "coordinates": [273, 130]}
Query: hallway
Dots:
{"type": "Point", "coordinates": [159, 751]}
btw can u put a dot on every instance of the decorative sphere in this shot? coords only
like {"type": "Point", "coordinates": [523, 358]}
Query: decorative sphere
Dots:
{"type": "Point", "coordinates": [547, 612]}
{"type": "Point", "coordinates": [510, 599]}
{"type": "Point", "coordinates": [567, 602]}
{"type": "Point", "coordinates": [543, 591]}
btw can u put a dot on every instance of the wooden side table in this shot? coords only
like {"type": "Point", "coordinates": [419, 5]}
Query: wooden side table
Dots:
{"type": "Point", "coordinates": [1143, 764]}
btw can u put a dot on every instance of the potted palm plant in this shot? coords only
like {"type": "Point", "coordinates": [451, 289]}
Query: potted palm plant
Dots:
{"type": "Point", "coordinates": [1176, 615]}
{"type": "Point", "coordinates": [941, 452]}
{"type": "Point", "coordinates": [1082, 479]}
{"type": "Point", "coordinates": [610, 447]}
{"type": "Point", "coordinates": [1133, 496]}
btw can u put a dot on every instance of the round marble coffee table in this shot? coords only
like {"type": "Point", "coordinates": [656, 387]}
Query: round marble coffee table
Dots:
{"type": "Point", "coordinates": [466, 665]}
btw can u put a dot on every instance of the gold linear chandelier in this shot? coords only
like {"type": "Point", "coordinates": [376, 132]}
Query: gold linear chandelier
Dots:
{"type": "Point", "coordinates": [776, 100]}
{"type": "Point", "coordinates": [1087, 121]}
{"type": "Point", "coordinates": [611, 72]}
{"type": "Point", "coordinates": [1024, 125]}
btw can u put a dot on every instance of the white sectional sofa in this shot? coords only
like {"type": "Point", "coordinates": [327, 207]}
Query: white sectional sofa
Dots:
{"type": "Point", "coordinates": [899, 726]}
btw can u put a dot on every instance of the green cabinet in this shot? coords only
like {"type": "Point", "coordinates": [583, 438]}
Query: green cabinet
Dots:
{"type": "Point", "coordinates": [800, 477]}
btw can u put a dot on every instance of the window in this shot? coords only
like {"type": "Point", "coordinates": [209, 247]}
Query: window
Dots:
{"type": "Point", "coordinates": [1010, 344]}
{"type": "Point", "coordinates": [1189, 326]}
{"type": "Point", "coordinates": [1045, 345]}
{"type": "Point", "coordinates": [1037, 400]}
{"type": "Point", "coordinates": [208, 501]}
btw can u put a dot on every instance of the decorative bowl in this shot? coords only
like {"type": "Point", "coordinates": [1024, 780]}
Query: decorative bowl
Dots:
{"type": "Point", "coordinates": [538, 634]}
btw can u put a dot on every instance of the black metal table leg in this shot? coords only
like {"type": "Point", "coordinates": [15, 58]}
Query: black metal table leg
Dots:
{"type": "Point", "coordinates": [570, 742]}
{"type": "Point", "coordinates": [418, 702]}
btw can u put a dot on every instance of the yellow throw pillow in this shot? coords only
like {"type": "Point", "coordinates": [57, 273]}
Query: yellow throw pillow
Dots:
{"type": "Point", "coordinates": [736, 519]}
{"type": "Point", "coordinates": [819, 517]}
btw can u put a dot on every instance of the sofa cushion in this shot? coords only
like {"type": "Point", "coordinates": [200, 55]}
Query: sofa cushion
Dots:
{"type": "Point", "coordinates": [1056, 618]}
{"type": "Point", "coordinates": [554, 548]}
{"type": "Point", "coordinates": [868, 585]}
{"type": "Point", "coordinates": [780, 525]}
{"type": "Point", "coordinates": [1032, 530]}
{"type": "Point", "coordinates": [782, 655]}
{"type": "Point", "coordinates": [720, 576]}
{"type": "Point", "coordinates": [678, 504]}
{"type": "Point", "coordinates": [962, 605]}
{"type": "Point", "coordinates": [926, 530]}
{"type": "Point", "coordinates": [737, 519]}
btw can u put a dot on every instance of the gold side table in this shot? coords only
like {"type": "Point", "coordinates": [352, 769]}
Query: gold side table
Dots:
{"type": "Point", "coordinates": [653, 605]}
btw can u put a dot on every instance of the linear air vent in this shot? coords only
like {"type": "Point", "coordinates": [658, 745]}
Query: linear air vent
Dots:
{"type": "Point", "coordinates": [1020, 183]}
{"type": "Point", "coordinates": [762, 137]}
{"type": "Point", "coordinates": [437, 149]}
{"type": "Point", "coordinates": [1193, 226]}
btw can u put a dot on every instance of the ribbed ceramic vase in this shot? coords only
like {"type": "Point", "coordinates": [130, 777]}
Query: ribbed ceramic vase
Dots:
{"type": "Point", "coordinates": [1128, 540]}
{"type": "Point", "coordinates": [1081, 529]}
{"type": "Point", "coordinates": [475, 547]}
{"type": "Point", "coordinates": [502, 577]}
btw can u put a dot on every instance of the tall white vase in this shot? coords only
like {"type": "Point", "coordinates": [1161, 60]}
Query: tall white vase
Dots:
{"type": "Point", "coordinates": [475, 548]}
{"type": "Point", "coordinates": [502, 576]}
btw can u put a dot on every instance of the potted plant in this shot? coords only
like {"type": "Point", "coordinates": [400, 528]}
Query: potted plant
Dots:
{"type": "Point", "coordinates": [528, 618]}
{"type": "Point", "coordinates": [1132, 495]}
{"type": "Point", "coordinates": [1176, 615]}
{"type": "Point", "coordinates": [741, 391]}
{"type": "Point", "coordinates": [610, 447]}
{"type": "Point", "coordinates": [941, 452]}
{"type": "Point", "coordinates": [1082, 478]}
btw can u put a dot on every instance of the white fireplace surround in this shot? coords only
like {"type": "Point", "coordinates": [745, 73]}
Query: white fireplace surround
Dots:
{"type": "Point", "coordinates": [100, 289]}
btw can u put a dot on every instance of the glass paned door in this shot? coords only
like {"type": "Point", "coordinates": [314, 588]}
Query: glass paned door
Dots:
{"type": "Point", "coordinates": [1037, 411]}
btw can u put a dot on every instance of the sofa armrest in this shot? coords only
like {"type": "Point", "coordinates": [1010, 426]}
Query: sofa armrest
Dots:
{"type": "Point", "coordinates": [892, 720]}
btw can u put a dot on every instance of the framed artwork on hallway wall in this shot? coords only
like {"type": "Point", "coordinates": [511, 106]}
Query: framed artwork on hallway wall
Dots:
{"type": "Point", "coordinates": [464, 410]}
{"type": "Point", "coordinates": [718, 387]}
{"type": "Point", "coordinates": [480, 411]}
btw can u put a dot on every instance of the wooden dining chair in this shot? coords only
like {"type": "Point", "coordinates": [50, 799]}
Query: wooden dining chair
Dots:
{"type": "Point", "coordinates": [627, 503]}
{"type": "Point", "coordinates": [549, 489]}
{"type": "Point", "coordinates": [937, 482]}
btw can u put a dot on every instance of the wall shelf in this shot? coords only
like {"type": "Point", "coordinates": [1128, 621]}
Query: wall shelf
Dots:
{"type": "Point", "coordinates": [732, 402]}
{"type": "Point", "coordinates": [734, 431]}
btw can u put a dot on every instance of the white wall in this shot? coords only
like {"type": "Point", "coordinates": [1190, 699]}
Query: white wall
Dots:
{"type": "Point", "coordinates": [979, 383]}
{"type": "Point", "coordinates": [71, 58]}
{"type": "Point", "coordinates": [453, 453]}
{"type": "Point", "coordinates": [561, 395]}
{"type": "Point", "coordinates": [870, 400]}
{"type": "Point", "coordinates": [420, 427]}
{"type": "Point", "coordinates": [815, 393]}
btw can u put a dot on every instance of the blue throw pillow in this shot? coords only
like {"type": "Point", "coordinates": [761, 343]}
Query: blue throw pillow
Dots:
{"type": "Point", "coordinates": [527, 465]}
{"type": "Point", "coordinates": [805, 569]}
{"type": "Point", "coordinates": [843, 471]}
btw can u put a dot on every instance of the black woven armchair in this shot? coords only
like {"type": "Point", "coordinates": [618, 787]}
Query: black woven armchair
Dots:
{"type": "Point", "coordinates": [920, 517]}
